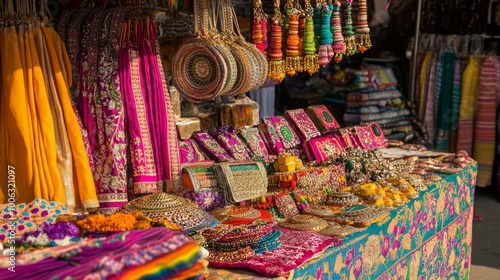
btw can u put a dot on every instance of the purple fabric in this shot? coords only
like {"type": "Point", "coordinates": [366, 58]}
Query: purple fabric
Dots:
{"type": "Point", "coordinates": [229, 140]}
{"type": "Point", "coordinates": [211, 147]}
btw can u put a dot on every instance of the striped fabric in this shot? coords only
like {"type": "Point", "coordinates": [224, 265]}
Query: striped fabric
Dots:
{"type": "Point", "coordinates": [485, 121]}
{"type": "Point", "coordinates": [444, 116]}
{"type": "Point", "coordinates": [429, 120]}
{"type": "Point", "coordinates": [460, 65]}
{"type": "Point", "coordinates": [470, 84]}
{"type": "Point", "coordinates": [423, 84]}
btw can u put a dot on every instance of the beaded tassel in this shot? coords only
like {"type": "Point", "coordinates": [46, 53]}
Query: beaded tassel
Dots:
{"type": "Point", "coordinates": [363, 41]}
{"type": "Point", "coordinates": [257, 35]}
{"type": "Point", "coordinates": [293, 62]}
{"type": "Point", "coordinates": [336, 28]}
{"type": "Point", "coordinates": [276, 63]}
{"type": "Point", "coordinates": [317, 24]}
{"type": "Point", "coordinates": [311, 64]}
{"type": "Point", "coordinates": [326, 38]}
{"type": "Point", "coordinates": [259, 27]}
{"type": "Point", "coordinates": [347, 30]}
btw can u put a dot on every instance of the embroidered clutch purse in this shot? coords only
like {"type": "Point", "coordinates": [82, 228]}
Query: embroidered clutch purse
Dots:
{"type": "Point", "coordinates": [229, 140]}
{"type": "Point", "coordinates": [370, 136]}
{"type": "Point", "coordinates": [189, 151]}
{"type": "Point", "coordinates": [241, 181]}
{"type": "Point", "coordinates": [323, 118]}
{"type": "Point", "coordinates": [255, 142]}
{"type": "Point", "coordinates": [284, 130]}
{"type": "Point", "coordinates": [378, 135]}
{"type": "Point", "coordinates": [322, 148]}
{"type": "Point", "coordinates": [303, 124]}
{"type": "Point", "coordinates": [211, 147]}
{"type": "Point", "coordinates": [347, 138]}
{"type": "Point", "coordinates": [270, 137]}
{"type": "Point", "coordinates": [201, 186]}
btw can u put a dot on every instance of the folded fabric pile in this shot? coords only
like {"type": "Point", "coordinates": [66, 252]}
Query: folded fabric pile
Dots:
{"type": "Point", "coordinates": [158, 253]}
{"type": "Point", "coordinates": [373, 97]}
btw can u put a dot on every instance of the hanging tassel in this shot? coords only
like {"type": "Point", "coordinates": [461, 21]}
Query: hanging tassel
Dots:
{"type": "Point", "coordinates": [326, 38]}
{"type": "Point", "coordinates": [363, 41]}
{"type": "Point", "coordinates": [336, 28]}
{"type": "Point", "coordinates": [263, 23]}
{"type": "Point", "coordinates": [311, 64]}
{"type": "Point", "coordinates": [347, 30]}
{"type": "Point", "coordinates": [317, 24]}
{"type": "Point", "coordinates": [259, 27]}
{"type": "Point", "coordinates": [276, 63]}
{"type": "Point", "coordinates": [257, 37]}
{"type": "Point", "coordinates": [293, 62]}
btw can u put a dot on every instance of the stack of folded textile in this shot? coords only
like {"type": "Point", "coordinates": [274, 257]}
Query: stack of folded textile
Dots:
{"type": "Point", "coordinates": [158, 253]}
{"type": "Point", "coordinates": [374, 97]}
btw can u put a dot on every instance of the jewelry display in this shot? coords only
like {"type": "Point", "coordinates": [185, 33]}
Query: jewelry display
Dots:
{"type": "Point", "coordinates": [304, 222]}
{"type": "Point", "coordinates": [342, 199]}
{"type": "Point", "coordinates": [177, 210]}
{"type": "Point", "coordinates": [340, 231]}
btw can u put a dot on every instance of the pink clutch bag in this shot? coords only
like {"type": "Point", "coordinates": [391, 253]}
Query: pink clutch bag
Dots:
{"type": "Point", "coordinates": [370, 136]}
{"type": "Point", "coordinates": [284, 130]}
{"type": "Point", "coordinates": [322, 148]}
{"type": "Point", "coordinates": [270, 136]}
{"type": "Point", "coordinates": [348, 139]}
{"type": "Point", "coordinates": [189, 151]}
{"type": "Point", "coordinates": [323, 118]}
{"type": "Point", "coordinates": [211, 147]}
{"type": "Point", "coordinates": [229, 140]}
{"type": "Point", "coordinates": [302, 124]}
{"type": "Point", "coordinates": [251, 136]}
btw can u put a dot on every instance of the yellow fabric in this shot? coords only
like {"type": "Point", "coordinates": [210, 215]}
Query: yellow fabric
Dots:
{"type": "Point", "coordinates": [17, 139]}
{"type": "Point", "coordinates": [423, 84]}
{"type": "Point", "coordinates": [83, 180]}
{"type": "Point", "coordinates": [484, 154]}
{"type": "Point", "coordinates": [470, 85]}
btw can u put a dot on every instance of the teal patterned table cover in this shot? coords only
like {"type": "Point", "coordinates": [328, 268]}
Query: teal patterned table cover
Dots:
{"type": "Point", "coordinates": [429, 238]}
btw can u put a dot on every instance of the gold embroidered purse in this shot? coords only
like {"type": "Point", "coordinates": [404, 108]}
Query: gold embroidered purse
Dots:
{"type": "Point", "coordinates": [241, 181]}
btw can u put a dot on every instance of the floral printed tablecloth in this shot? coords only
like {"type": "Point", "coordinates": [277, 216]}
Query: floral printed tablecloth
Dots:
{"type": "Point", "coordinates": [429, 238]}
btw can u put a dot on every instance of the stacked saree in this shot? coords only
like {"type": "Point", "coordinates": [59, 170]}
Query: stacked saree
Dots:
{"type": "Point", "coordinates": [41, 142]}
{"type": "Point", "coordinates": [124, 103]}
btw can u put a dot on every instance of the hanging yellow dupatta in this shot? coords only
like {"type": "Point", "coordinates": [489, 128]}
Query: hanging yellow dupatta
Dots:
{"type": "Point", "coordinates": [85, 191]}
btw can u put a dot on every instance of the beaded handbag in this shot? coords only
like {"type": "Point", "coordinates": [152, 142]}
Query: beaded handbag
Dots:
{"type": "Point", "coordinates": [255, 142]}
{"type": "Point", "coordinates": [284, 130]}
{"type": "Point", "coordinates": [241, 181]}
{"type": "Point", "coordinates": [229, 140]}
{"type": "Point", "coordinates": [201, 186]}
{"type": "Point", "coordinates": [199, 70]}
{"type": "Point", "coordinates": [322, 148]}
{"type": "Point", "coordinates": [211, 147]}
{"type": "Point", "coordinates": [189, 151]}
{"type": "Point", "coordinates": [302, 123]}
{"type": "Point", "coordinates": [323, 118]}
{"type": "Point", "coordinates": [370, 136]}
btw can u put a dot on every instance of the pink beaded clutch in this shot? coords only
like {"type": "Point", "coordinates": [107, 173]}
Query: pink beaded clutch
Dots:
{"type": "Point", "coordinates": [302, 124]}
{"type": "Point", "coordinates": [323, 118]}
{"type": "Point", "coordinates": [369, 136]}
{"type": "Point", "coordinates": [189, 151]}
{"type": "Point", "coordinates": [270, 137]}
{"type": "Point", "coordinates": [322, 148]}
{"type": "Point", "coordinates": [284, 130]}
{"type": "Point", "coordinates": [229, 140]}
{"type": "Point", "coordinates": [211, 147]}
{"type": "Point", "coordinates": [255, 142]}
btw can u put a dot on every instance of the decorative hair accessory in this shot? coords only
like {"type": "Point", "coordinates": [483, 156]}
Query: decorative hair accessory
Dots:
{"type": "Point", "coordinates": [363, 41]}
{"type": "Point", "coordinates": [276, 64]}
{"type": "Point", "coordinates": [347, 30]}
{"type": "Point", "coordinates": [259, 27]}
{"type": "Point", "coordinates": [326, 37]}
{"type": "Point", "coordinates": [311, 64]}
{"type": "Point", "coordinates": [293, 61]}
{"type": "Point", "coordinates": [336, 28]}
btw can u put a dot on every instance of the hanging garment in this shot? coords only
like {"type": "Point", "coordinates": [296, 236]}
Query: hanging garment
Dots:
{"type": "Point", "coordinates": [423, 84]}
{"type": "Point", "coordinates": [458, 69]}
{"type": "Point", "coordinates": [429, 120]}
{"type": "Point", "coordinates": [470, 84]}
{"type": "Point", "coordinates": [485, 121]}
{"type": "Point", "coordinates": [445, 110]}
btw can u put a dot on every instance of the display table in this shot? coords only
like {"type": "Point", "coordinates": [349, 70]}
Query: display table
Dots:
{"type": "Point", "coordinates": [430, 237]}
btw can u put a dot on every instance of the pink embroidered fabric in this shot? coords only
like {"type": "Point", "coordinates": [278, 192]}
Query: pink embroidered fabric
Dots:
{"type": "Point", "coordinates": [296, 248]}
